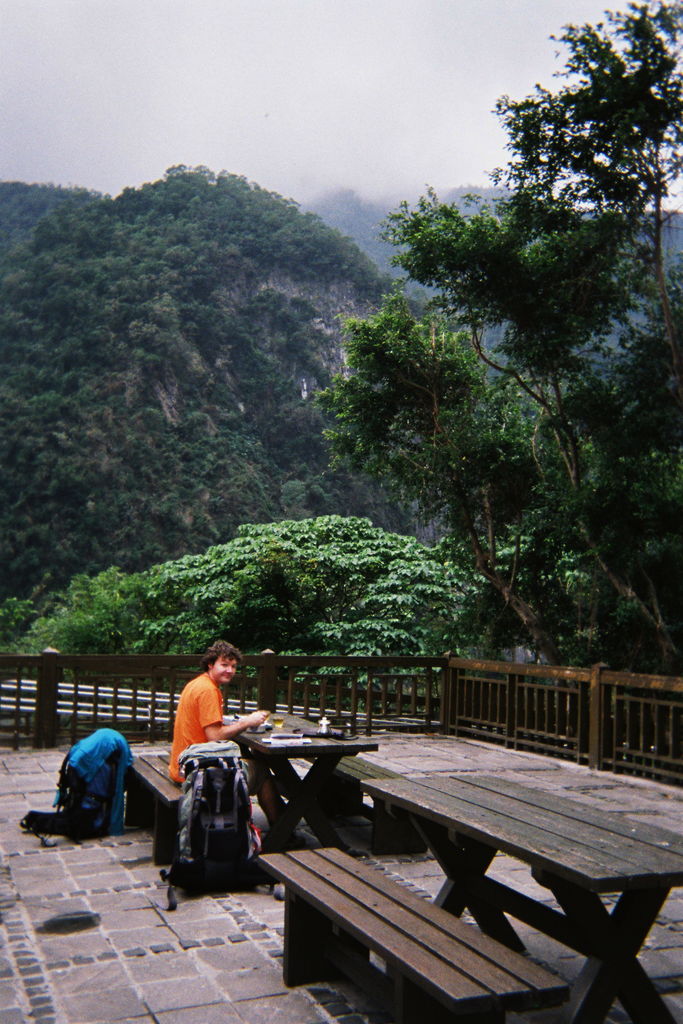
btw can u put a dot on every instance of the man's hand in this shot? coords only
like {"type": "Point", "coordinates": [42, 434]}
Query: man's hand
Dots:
{"type": "Point", "coordinates": [217, 731]}
{"type": "Point", "coordinates": [253, 720]}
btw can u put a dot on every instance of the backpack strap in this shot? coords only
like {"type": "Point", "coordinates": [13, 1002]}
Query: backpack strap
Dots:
{"type": "Point", "coordinates": [187, 808]}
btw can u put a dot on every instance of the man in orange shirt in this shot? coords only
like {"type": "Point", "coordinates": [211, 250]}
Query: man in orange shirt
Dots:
{"type": "Point", "coordinates": [199, 719]}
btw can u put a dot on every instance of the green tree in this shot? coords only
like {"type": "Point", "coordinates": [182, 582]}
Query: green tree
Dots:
{"type": "Point", "coordinates": [611, 140]}
{"type": "Point", "coordinates": [95, 615]}
{"type": "Point", "coordinates": [15, 616]}
{"type": "Point", "coordinates": [419, 409]}
{"type": "Point", "coordinates": [559, 288]}
{"type": "Point", "coordinates": [330, 585]}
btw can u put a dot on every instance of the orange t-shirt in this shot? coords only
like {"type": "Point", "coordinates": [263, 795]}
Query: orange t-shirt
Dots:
{"type": "Point", "coordinates": [200, 704]}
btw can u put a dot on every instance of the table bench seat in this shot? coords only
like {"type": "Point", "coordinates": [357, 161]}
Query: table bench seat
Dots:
{"type": "Point", "coordinates": [344, 795]}
{"type": "Point", "coordinates": [152, 802]}
{"type": "Point", "coordinates": [433, 966]}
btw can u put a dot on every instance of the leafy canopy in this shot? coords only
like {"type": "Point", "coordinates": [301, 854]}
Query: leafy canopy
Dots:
{"type": "Point", "coordinates": [329, 585]}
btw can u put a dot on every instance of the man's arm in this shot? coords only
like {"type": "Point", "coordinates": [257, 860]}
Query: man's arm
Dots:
{"type": "Point", "coordinates": [217, 731]}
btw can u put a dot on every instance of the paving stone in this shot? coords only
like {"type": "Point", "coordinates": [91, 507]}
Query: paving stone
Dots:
{"type": "Point", "coordinates": [236, 957]}
{"type": "Point", "coordinates": [661, 963]}
{"type": "Point", "coordinates": [248, 983]}
{"type": "Point", "coordinates": [220, 927]}
{"type": "Point", "coordinates": [173, 994]}
{"type": "Point", "coordinates": [145, 937]}
{"type": "Point", "coordinates": [9, 996]}
{"type": "Point", "coordinates": [127, 919]}
{"type": "Point", "coordinates": [290, 1008]}
{"type": "Point", "coordinates": [107, 1007]}
{"type": "Point", "coordinates": [161, 966]}
{"type": "Point", "coordinates": [61, 947]}
{"type": "Point", "coordinates": [106, 901]}
{"type": "Point", "coordinates": [214, 1013]}
{"type": "Point", "coordinates": [675, 1005]}
{"type": "Point", "coordinates": [41, 908]}
{"type": "Point", "coordinates": [39, 881]}
{"type": "Point", "coordinates": [95, 977]}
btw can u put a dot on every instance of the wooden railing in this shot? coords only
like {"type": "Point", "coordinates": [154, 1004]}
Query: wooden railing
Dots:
{"type": "Point", "coordinates": [615, 721]}
{"type": "Point", "coordinates": [607, 720]}
{"type": "Point", "coordinates": [51, 699]}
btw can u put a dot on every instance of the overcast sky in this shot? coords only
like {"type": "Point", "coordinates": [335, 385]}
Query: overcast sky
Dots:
{"type": "Point", "coordinates": [300, 96]}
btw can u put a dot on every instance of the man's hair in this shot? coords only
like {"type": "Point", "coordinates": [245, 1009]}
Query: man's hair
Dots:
{"type": "Point", "coordinates": [221, 649]}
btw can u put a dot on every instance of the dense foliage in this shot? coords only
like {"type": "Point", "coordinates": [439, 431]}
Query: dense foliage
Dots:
{"type": "Point", "coordinates": [329, 585]}
{"type": "Point", "coordinates": [547, 436]}
{"type": "Point", "coordinates": [159, 352]}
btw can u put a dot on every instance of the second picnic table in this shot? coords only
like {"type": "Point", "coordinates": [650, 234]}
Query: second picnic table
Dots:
{"type": "Point", "coordinates": [299, 740]}
{"type": "Point", "coordinates": [574, 850]}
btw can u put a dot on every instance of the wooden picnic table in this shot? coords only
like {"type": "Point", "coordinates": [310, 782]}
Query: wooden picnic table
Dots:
{"type": "Point", "coordinates": [576, 851]}
{"type": "Point", "coordinates": [299, 739]}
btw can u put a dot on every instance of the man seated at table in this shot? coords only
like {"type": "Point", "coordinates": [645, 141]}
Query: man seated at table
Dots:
{"type": "Point", "coordinates": [199, 719]}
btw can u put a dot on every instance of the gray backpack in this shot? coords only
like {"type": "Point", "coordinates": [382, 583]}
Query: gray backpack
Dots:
{"type": "Point", "coordinates": [217, 844]}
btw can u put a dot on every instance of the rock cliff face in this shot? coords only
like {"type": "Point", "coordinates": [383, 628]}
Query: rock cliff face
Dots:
{"type": "Point", "coordinates": [162, 350]}
{"type": "Point", "coordinates": [333, 303]}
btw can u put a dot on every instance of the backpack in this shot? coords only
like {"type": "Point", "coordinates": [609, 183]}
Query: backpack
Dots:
{"type": "Point", "coordinates": [217, 842]}
{"type": "Point", "coordinates": [90, 790]}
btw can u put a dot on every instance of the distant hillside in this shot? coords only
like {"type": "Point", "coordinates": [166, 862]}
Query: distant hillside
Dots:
{"type": "Point", "coordinates": [363, 219]}
{"type": "Point", "coordinates": [22, 206]}
{"type": "Point", "coordinates": [159, 354]}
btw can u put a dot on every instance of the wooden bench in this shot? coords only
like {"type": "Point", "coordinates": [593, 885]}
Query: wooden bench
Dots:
{"type": "Point", "coordinates": [152, 800]}
{"type": "Point", "coordinates": [340, 915]}
{"type": "Point", "coordinates": [343, 795]}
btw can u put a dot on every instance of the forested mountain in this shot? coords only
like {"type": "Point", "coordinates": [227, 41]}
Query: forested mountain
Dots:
{"type": "Point", "coordinates": [159, 355]}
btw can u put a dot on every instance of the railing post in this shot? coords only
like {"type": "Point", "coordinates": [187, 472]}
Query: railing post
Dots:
{"type": "Point", "coordinates": [45, 733]}
{"type": "Point", "coordinates": [447, 695]}
{"type": "Point", "coordinates": [267, 683]}
{"type": "Point", "coordinates": [429, 685]}
{"type": "Point", "coordinates": [595, 724]}
{"type": "Point", "coordinates": [511, 711]}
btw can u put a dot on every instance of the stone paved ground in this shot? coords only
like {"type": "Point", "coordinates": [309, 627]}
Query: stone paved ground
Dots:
{"type": "Point", "coordinates": [217, 959]}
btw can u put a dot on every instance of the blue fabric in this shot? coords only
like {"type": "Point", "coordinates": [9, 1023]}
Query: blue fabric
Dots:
{"type": "Point", "coordinates": [87, 757]}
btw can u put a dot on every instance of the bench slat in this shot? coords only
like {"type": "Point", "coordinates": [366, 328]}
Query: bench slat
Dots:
{"type": "Point", "coordinates": [360, 768]}
{"type": "Point", "coordinates": [153, 773]}
{"type": "Point", "coordinates": [658, 838]}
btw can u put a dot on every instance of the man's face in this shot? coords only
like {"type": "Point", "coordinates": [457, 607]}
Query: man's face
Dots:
{"type": "Point", "coordinates": [222, 670]}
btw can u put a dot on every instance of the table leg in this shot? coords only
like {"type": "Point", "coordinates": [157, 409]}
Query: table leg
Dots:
{"type": "Point", "coordinates": [462, 861]}
{"type": "Point", "coordinates": [612, 970]}
{"type": "Point", "coordinates": [302, 802]}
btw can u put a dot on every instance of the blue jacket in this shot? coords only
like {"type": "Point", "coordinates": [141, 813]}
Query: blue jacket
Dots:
{"type": "Point", "coordinates": [87, 757]}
